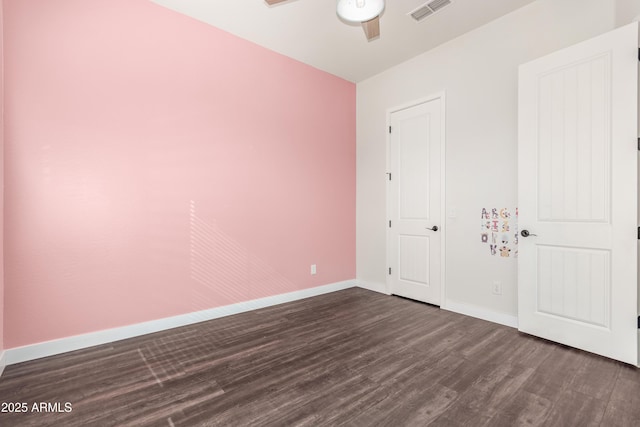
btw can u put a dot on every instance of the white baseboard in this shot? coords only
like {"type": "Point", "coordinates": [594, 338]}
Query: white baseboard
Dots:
{"type": "Point", "coordinates": [63, 345]}
{"type": "Point", "coordinates": [3, 361]}
{"type": "Point", "coordinates": [481, 313]}
{"type": "Point", "coordinates": [373, 286]}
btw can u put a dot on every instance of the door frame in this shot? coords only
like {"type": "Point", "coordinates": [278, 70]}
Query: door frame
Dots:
{"type": "Point", "coordinates": [443, 138]}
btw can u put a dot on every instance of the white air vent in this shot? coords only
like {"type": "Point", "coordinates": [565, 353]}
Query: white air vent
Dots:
{"type": "Point", "coordinates": [429, 9]}
{"type": "Point", "coordinates": [436, 5]}
{"type": "Point", "coordinates": [420, 13]}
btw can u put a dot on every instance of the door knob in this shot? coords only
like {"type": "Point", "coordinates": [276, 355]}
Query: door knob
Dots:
{"type": "Point", "coordinates": [434, 228]}
{"type": "Point", "coordinates": [525, 233]}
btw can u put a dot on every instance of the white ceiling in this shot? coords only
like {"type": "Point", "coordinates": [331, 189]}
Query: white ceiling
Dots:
{"type": "Point", "coordinates": [310, 31]}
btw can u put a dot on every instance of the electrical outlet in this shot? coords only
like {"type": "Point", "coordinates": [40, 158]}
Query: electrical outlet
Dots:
{"type": "Point", "coordinates": [497, 288]}
{"type": "Point", "coordinates": [313, 269]}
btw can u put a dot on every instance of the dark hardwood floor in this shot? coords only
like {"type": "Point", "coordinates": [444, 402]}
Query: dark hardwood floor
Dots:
{"type": "Point", "coordinates": [353, 358]}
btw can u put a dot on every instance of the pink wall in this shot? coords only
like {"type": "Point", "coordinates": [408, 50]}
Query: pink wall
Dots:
{"type": "Point", "coordinates": [157, 166]}
{"type": "Point", "coordinates": [1, 179]}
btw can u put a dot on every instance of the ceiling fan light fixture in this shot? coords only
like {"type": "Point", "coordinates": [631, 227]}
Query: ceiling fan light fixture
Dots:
{"type": "Point", "coordinates": [359, 10]}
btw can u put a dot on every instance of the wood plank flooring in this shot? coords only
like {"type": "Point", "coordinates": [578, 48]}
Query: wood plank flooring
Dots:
{"type": "Point", "coordinates": [353, 358]}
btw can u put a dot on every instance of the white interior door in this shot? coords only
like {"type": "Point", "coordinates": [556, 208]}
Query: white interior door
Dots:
{"type": "Point", "coordinates": [577, 195]}
{"type": "Point", "coordinates": [415, 229]}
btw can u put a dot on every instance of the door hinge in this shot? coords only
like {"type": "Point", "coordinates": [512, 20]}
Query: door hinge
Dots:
{"type": "Point", "coordinates": [389, 175]}
{"type": "Point", "coordinates": [389, 129]}
{"type": "Point", "coordinates": [389, 223]}
{"type": "Point", "coordinates": [389, 270]}
{"type": "Point", "coordinates": [638, 233]}
{"type": "Point", "coordinates": [638, 144]}
{"type": "Point", "coordinates": [638, 322]}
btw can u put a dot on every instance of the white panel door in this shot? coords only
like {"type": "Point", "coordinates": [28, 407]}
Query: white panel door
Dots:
{"type": "Point", "coordinates": [577, 195]}
{"type": "Point", "coordinates": [414, 206]}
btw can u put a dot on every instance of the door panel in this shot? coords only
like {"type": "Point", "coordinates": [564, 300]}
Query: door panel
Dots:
{"type": "Point", "coordinates": [414, 259]}
{"type": "Point", "coordinates": [574, 284]}
{"type": "Point", "coordinates": [413, 171]}
{"type": "Point", "coordinates": [577, 194]}
{"type": "Point", "coordinates": [575, 105]}
{"type": "Point", "coordinates": [414, 207]}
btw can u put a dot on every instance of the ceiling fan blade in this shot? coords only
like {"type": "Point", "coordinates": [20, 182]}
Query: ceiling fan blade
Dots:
{"type": "Point", "coordinates": [272, 2]}
{"type": "Point", "coordinates": [372, 28]}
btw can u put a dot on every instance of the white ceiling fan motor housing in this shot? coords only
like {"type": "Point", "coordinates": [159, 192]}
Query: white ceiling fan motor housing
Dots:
{"type": "Point", "coordinates": [359, 10]}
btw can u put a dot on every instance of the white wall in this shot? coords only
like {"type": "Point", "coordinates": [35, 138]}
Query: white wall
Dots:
{"type": "Point", "coordinates": [479, 72]}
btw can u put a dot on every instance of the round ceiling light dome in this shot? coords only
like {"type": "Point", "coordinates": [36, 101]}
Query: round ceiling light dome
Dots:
{"type": "Point", "coordinates": [359, 10]}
